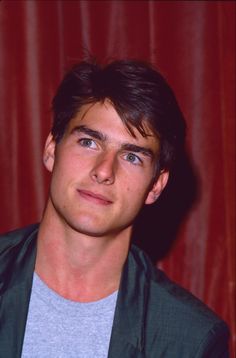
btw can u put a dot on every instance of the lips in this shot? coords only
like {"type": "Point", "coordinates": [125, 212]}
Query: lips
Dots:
{"type": "Point", "coordinates": [94, 197]}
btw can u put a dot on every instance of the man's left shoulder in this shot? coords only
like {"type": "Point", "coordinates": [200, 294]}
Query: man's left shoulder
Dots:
{"type": "Point", "coordinates": [175, 311]}
{"type": "Point", "coordinates": [179, 304]}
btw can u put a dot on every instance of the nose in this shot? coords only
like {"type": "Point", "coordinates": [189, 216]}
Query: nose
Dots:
{"type": "Point", "coordinates": [104, 169]}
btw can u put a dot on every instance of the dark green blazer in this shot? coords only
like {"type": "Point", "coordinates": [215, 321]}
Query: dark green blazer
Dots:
{"type": "Point", "coordinates": [154, 317]}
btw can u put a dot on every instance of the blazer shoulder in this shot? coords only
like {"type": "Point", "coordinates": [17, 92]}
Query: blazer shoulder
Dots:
{"type": "Point", "coordinates": [180, 298]}
{"type": "Point", "coordinates": [186, 318]}
{"type": "Point", "coordinates": [177, 315]}
{"type": "Point", "coordinates": [14, 237]}
{"type": "Point", "coordinates": [17, 257]}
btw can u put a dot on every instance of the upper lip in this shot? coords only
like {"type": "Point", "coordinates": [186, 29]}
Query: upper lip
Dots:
{"type": "Point", "coordinates": [95, 195]}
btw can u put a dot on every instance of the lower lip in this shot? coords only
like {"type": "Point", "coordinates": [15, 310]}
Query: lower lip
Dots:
{"type": "Point", "coordinates": [94, 199]}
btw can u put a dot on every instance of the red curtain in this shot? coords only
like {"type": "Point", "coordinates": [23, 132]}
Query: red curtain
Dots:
{"type": "Point", "coordinates": [193, 45]}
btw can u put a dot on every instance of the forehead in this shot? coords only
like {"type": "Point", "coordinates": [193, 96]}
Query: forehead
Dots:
{"type": "Point", "coordinates": [102, 116]}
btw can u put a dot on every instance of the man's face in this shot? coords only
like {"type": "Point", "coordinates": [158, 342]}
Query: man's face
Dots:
{"type": "Point", "coordinates": [101, 174]}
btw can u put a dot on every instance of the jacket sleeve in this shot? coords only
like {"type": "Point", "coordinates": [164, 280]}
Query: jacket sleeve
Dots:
{"type": "Point", "coordinates": [216, 343]}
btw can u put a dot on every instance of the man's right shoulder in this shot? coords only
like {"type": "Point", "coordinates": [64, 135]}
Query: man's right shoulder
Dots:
{"type": "Point", "coordinates": [17, 256]}
{"type": "Point", "coordinates": [14, 237]}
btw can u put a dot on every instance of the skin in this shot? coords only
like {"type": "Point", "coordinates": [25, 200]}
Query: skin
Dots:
{"type": "Point", "coordinates": [101, 178]}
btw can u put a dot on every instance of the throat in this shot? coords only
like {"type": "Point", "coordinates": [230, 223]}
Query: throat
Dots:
{"type": "Point", "coordinates": [81, 289]}
{"type": "Point", "coordinates": [79, 268]}
{"type": "Point", "coordinates": [84, 277]}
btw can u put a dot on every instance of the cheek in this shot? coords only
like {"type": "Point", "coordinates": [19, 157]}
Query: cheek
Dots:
{"type": "Point", "coordinates": [135, 193]}
{"type": "Point", "coordinates": [63, 173]}
{"type": "Point", "coordinates": [68, 165]}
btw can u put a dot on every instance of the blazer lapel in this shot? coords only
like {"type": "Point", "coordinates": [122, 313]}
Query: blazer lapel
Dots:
{"type": "Point", "coordinates": [127, 338]}
{"type": "Point", "coordinates": [13, 314]}
{"type": "Point", "coordinates": [15, 289]}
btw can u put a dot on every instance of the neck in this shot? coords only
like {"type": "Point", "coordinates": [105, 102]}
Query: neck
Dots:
{"type": "Point", "coordinates": [78, 266]}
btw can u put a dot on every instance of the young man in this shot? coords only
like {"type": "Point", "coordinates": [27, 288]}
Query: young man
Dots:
{"type": "Point", "coordinates": [74, 286]}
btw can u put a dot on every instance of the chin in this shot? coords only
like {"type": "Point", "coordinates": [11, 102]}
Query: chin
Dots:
{"type": "Point", "coordinates": [87, 228]}
{"type": "Point", "coordinates": [95, 226]}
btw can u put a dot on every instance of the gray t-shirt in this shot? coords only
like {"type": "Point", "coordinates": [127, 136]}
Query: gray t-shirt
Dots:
{"type": "Point", "coordinates": [57, 327]}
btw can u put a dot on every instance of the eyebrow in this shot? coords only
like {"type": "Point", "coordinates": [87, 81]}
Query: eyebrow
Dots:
{"type": "Point", "coordinates": [102, 137]}
{"type": "Point", "coordinates": [137, 149]}
{"type": "Point", "coordinates": [91, 132]}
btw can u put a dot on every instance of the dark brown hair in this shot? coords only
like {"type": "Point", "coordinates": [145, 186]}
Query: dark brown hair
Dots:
{"type": "Point", "coordinates": [138, 93]}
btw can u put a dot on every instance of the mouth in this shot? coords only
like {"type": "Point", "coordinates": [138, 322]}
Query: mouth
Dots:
{"type": "Point", "coordinates": [94, 197]}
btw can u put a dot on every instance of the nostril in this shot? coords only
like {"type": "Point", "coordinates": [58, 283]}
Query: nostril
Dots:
{"type": "Point", "coordinates": [103, 175]}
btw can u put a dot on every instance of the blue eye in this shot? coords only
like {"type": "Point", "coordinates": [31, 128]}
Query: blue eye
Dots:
{"type": "Point", "coordinates": [87, 143]}
{"type": "Point", "coordinates": [133, 158]}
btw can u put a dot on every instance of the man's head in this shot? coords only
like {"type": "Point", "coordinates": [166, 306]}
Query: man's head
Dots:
{"type": "Point", "coordinates": [115, 135]}
{"type": "Point", "coordinates": [139, 94]}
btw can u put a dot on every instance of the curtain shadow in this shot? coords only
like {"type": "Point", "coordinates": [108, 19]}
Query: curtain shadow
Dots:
{"type": "Point", "coordinates": [156, 227]}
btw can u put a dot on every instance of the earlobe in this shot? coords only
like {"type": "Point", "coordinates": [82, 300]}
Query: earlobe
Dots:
{"type": "Point", "coordinates": [49, 153]}
{"type": "Point", "coordinates": [157, 188]}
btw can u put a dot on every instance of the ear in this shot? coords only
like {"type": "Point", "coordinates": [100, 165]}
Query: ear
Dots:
{"type": "Point", "coordinates": [157, 188]}
{"type": "Point", "coordinates": [49, 153]}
